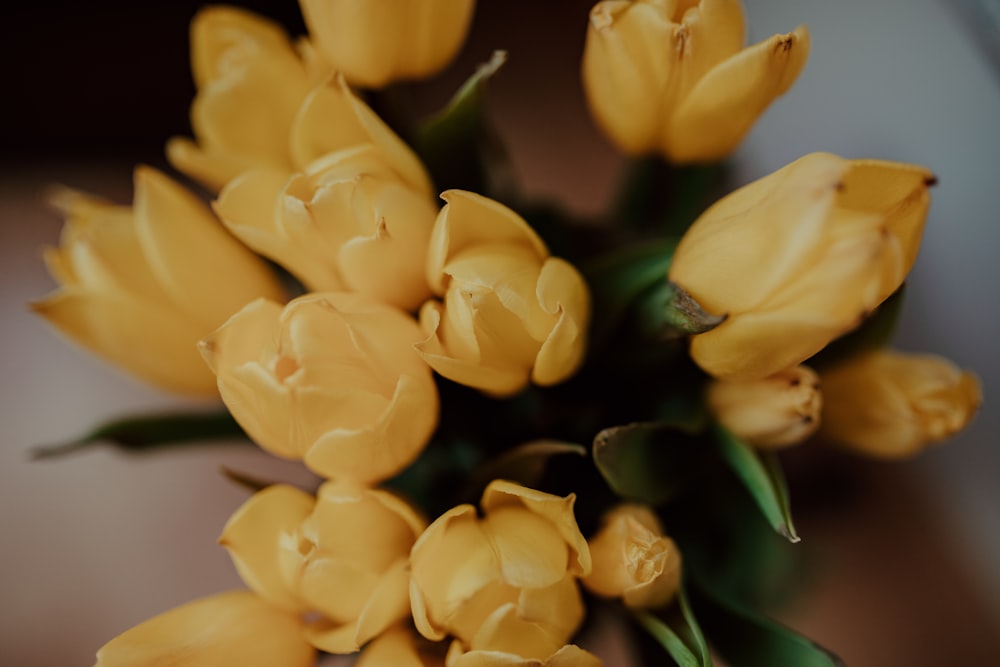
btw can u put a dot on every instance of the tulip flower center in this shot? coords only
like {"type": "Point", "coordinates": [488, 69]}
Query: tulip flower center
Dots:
{"type": "Point", "coordinates": [284, 367]}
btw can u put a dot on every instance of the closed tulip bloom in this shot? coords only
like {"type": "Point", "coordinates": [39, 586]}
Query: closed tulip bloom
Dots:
{"type": "Point", "coordinates": [526, 551]}
{"type": "Point", "coordinates": [507, 640]}
{"type": "Point", "coordinates": [341, 555]}
{"type": "Point", "coordinates": [377, 42]}
{"type": "Point", "coordinates": [633, 559]}
{"type": "Point", "coordinates": [770, 413]}
{"type": "Point", "coordinates": [673, 77]}
{"type": "Point", "coordinates": [511, 312]}
{"type": "Point", "coordinates": [231, 628]}
{"type": "Point", "coordinates": [798, 258]}
{"type": "Point", "coordinates": [331, 379]}
{"type": "Point", "coordinates": [348, 223]}
{"type": "Point", "coordinates": [890, 405]}
{"type": "Point", "coordinates": [141, 285]}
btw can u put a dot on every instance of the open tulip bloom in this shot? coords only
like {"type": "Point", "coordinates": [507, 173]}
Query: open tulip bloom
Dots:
{"type": "Point", "coordinates": [515, 423]}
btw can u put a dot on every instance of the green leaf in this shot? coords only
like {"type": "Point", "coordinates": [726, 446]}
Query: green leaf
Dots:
{"type": "Point", "coordinates": [523, 464]}
{"type": "Point", "coordinates": [665, 199]}
{"type": "Point", "coordinates": [667, 311]}
{"type": "Point", "coordinates": [150, 432]}
{"type": "Point", "coordinates": [648, 462]}
{"type": "Point", "coordinates": [678, 632]}
{"type": "Point", "coordinates": [763, 477]}
{"type": "Point", "coordinates": [457, 144]}
{"type": "Point", "coordinates": [748, 639]}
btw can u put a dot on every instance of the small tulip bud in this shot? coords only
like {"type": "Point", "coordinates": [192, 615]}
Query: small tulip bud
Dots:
{"type": "Point", "coordinates": [890, 405]}
{"type": "Point", "coordinates": [774, 412]}
{"type": "Point", "coordinates": [633, 559]}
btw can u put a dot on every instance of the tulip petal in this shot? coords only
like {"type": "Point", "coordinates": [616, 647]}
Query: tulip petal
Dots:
{"type": "Point", "coordinates": [768, 231]}
{"type": "Point", "coordinates": [561, 291]}
{"type": "Point", "coordinates": [558, 510]}
{"type": "Point", "coordinates": [504, 631]}
{"type": "Point", "coordinates": [396, 647]}
{"type": "Point", "coordinates": [724, 104]}
{"type": "Point", "coordinates": [530, 553]}
{"type": "Point", "coordinates": [897, 191]}
{"type": "Point", "coordinates": [387, 444]}
{"type": "Point", "coordinates": [185, 244]}
{"type": "Point", "coordinates": [451, 562]}
{"type": "Point", "coordinates": [469, 220]}
{"type": "Point", "coordinates": [214, 167]}
{"type": "Point", "coordinates": [332, 118]}
{"type": "Point", "coordinates": [253, 535]}
{"type": "Point", "coordinates": [557, 608]}
{"type": "Point", "coordinates": [631, 47]}
{"type": "Point", "coordinates": [148, 341]}
{"type": "Point", "coordinates": [215, 30]}
{"type": "Point", "coordinates": [232, 628]}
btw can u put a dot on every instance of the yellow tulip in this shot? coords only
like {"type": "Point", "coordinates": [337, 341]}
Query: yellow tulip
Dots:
{"type": "Point", "coordinates": [263, 103]}
{"type": "Point", "coordinates": [341, 555]}
{"type": "Point", "coordinates": [348, 223]}
{"type": "Point", "coordinates": [331, 379]}
{"type": "Point", "coordinates": [511, 312]}
{"type": "Point", "coordinates": [232, 628]}
{"type": "Point", "coordinates": [798, 258]}
{"type": "Point", "coordinates": [141, 285]}
{"type": "Point", "coordinates": [891, 405]}
{"type": "Point", "coordinates": [633, 559]}
{"type": "Point", "coordinates": [507, 640]}
{"type": "Point", "coordinates": [526, 551]}
{"type": "Point", "coordinates": [673, 76]}
{"type": "Point", "coordinates": [377, 42]}
{"type": "Point", "coordinates": [770, 413]}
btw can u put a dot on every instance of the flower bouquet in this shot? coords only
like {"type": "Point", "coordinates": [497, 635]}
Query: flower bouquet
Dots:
{"type": "Point", "coordinates": [520, 421]}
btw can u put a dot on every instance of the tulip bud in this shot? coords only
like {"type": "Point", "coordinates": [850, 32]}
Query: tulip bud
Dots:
{"type": "Point", "coordinates": [231, 628]}
{"type": "Point", "coordinates": [511, 312]}
{"type": "Point", "coordinates": [141, 286]}
{"type": "Point", "coordinates": [633, 559]}
{"type": "Point", "coordinates": [798, 258]}
{"type": "Point", "coordinates": [331, 379]}
{"type": "Point", "coordinates": [673, 77]}
{"type": "Point", "coordinates": [347, 224]}
{"type": "Point", "coordinates": [341, 555]}
{"type": "Point", "coordinates": [770, 413]}
{"type": "Point", "coordinates": [526, 551]}
{"type": "Point", "coordinates": [891, 405]}
{"type": "Point", "coordinates": [376, 42]}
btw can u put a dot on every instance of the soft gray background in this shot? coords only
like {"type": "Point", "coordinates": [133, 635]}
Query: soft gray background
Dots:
{"type": "Point", "coordinates": [95, 543]}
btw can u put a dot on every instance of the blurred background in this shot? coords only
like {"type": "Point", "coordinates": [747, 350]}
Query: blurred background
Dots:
{"type": "Point", "coordinates": [907, 555]}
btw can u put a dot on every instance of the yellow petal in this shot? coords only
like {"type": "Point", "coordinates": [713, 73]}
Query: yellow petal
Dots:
{"type": "Point", "coordinates": [557, 510]}
{"type": "Point", "coordinates": [725, 103]}
{"type": "Point", "coordinates": [451, 562]}
{"type": "Point", "coordinates": [253, 538]}
{"type": "Point", "coordinates": [531, 554]}
{"type": "Point", "coordinates": [746, 245]}
{"type": "Point", "coordinates": [561, 291]}
{"type": "Point", "coordinates": [232, 628]}
{"type": "Point", "coordinates": [190, 251]}
{"type": "Point", "coordinates": [151, 342]}
{"type": "Point", "coordinates": [213, 167]}
{"type": "Point", "coordinates": [505, 632]}
{"type": "Point", "coordinates": [557, 608]}
{"type": "Point", "coordinates": [214, 30]}
{"type": "Point", "coordinates": [629, 62]}
{"type": "Point", "coordinates": [333, 118]}
{"type": "Point", "coordinates": [468, 220]}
